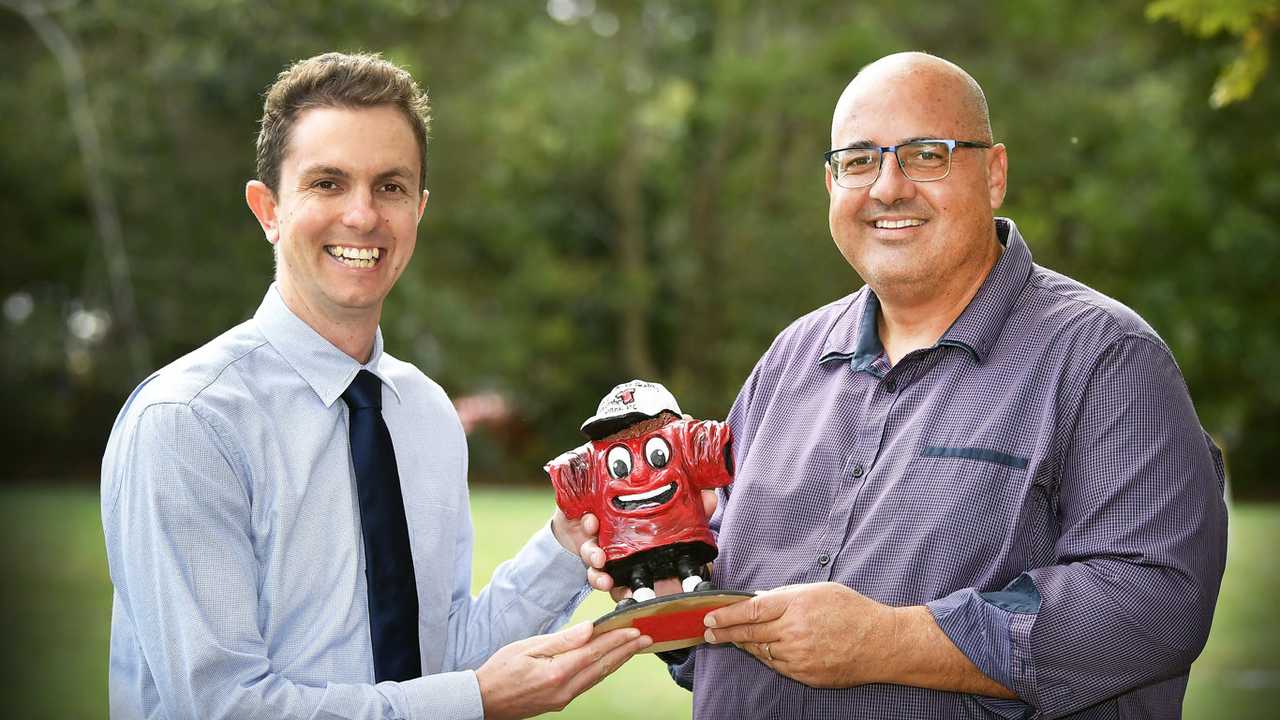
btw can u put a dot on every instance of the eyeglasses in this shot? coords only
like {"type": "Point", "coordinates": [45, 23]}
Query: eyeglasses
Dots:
{"type": "Point", "coordinates": [920, 160]}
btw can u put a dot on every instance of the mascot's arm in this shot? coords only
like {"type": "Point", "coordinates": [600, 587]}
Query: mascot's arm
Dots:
{"type": "Point", "coordinates": [705, 448]}
{"type": "Point", "coordinates": [574, 482]}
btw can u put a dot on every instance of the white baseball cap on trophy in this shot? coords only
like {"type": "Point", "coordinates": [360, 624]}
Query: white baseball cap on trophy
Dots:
{"type": "Point", "coordinates": [626, 404]}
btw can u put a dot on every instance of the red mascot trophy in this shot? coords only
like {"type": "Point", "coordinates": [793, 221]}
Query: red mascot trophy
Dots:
{"type": "Point", "coordinates": [642, 475]}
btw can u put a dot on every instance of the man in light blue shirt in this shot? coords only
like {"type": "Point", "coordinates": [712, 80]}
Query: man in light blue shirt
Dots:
{"type": "Point", "coordinates": [229, 500]}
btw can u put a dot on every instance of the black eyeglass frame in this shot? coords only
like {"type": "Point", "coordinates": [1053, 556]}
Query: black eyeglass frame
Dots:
{"type": "Point", "coordinates": [951, 146]}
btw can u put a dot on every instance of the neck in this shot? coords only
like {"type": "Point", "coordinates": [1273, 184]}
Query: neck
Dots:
{"type": "Point", "coordinates": [915, 318]}
{"type": "Point", "coordinates": [351, 332]}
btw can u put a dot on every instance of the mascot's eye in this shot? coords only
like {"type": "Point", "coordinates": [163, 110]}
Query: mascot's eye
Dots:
{"type": "Point", "coordinates": [619, 461]}
{"type": "Point", "coordinates": [657, 452]}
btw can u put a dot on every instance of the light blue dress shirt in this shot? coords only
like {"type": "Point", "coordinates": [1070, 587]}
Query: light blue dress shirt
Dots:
{"type": "Point", "coordinates": [233, 539]}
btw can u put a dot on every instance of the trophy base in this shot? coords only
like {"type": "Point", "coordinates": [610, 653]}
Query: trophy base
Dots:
{"type": "Point", "coordinates": [673, 621]}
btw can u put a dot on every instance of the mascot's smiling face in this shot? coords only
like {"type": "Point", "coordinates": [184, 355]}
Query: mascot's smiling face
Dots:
{"type": "Point", "coordinates": [643, 473]}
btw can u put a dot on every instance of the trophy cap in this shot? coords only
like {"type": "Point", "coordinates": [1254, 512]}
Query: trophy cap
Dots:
{"type": "Point", "coordinates": [626, 404]}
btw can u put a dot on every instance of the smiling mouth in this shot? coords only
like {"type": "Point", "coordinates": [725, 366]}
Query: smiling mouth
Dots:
{"type": "Point", "coordinates": [643, 500]}
{"type": "Point", "coordinates": [354, 257]}
{"type": "Point", "coordinates": [897, 224]}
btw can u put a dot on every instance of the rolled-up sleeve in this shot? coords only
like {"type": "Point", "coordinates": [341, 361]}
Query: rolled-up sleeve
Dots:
{"type": "Point", "coordinates": [1140, 551]}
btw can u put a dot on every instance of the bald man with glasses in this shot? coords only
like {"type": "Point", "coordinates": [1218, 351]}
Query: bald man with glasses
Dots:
{"type": "Point", "coordinates": [972, 488]}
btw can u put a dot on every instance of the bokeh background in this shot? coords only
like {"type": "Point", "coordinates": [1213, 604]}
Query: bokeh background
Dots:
{"type": "Point", "coordinates": [618, 190]}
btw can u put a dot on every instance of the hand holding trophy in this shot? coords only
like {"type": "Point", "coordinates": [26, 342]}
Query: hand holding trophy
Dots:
{"type": "Point", "coordinates": [642, 475]}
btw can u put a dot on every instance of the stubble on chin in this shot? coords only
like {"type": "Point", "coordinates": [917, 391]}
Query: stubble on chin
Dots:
{"type": "Point", "coordinates": [891, 271]}
{"type": "Point", "coordinates": [901, 280]}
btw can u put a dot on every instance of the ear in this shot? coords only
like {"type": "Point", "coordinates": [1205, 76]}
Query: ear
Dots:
{"type": "Point", "coordinates": [422, 205]}
{"type": "Point", "coordinates": [262, 203]}
{"type": "Point", "coordinates": [998, 174]}
{"type": "Point", "coordinates": [827, 179]}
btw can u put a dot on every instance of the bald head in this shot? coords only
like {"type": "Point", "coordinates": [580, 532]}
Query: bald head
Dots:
{"type": "Point", "coordinates": [944, 89]}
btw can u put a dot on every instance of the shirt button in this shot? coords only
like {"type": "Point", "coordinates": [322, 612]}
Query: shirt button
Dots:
{"type": "Point", "coordinates": [857, 470]}
{"type": "Point", "coordinates": [823, 559]}
{"type": "Point", "coordinates": [890, 386]}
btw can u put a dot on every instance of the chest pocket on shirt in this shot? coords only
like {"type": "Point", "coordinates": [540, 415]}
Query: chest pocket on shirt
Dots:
{"type": "Point", "coordinates": [971, 497]}
{"type": "Point", "coordinates": [976, 453]}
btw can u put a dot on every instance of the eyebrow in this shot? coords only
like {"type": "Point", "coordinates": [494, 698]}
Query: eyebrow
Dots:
{"type": "Point", "coordinates": [399, 171]}
{"type": "Point", "coordinates": [324, 170]}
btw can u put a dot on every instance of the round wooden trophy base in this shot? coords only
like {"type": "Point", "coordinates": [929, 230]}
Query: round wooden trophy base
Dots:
{"type": "Point", "coordinates": [673, 621]}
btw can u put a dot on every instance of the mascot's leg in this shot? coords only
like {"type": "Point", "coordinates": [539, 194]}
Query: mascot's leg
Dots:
{"type": "Point", "coordinates": [692, 571]}
{"type": "Point", "coordinates": [640, 580]}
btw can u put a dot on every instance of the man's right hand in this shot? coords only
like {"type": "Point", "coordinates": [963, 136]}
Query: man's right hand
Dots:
{"type": "Point", "coordinates": [545, 672]}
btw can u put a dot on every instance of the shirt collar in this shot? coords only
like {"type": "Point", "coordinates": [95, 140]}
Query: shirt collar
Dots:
{"type": "Point", "coordinates": [855, 337]}
{"type": "Point", "coordinates": [981, 323]}
{"type": "Point", "coordinates": [319, 362]}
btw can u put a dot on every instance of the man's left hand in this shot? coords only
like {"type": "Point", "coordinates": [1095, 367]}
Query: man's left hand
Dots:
{"type": "Point", "coordinates": [824, 635]}
{"type": "Point", "coordinates": [572, 534]}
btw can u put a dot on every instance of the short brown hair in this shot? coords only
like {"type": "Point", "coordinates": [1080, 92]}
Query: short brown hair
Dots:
{"type": "Point", "coordinates": [337, 80]}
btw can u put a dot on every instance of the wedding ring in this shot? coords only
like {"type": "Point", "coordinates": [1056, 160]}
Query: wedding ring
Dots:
{"type": "Point", "coordinates": [768, 652]}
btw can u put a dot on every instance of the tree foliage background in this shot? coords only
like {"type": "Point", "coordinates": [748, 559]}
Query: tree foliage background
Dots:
{"type": "Point", "coordinates": [621, 189]}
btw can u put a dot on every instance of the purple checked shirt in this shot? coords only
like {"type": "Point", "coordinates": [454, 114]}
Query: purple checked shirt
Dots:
{"type": "Point", "coordinates": [1038, 478]}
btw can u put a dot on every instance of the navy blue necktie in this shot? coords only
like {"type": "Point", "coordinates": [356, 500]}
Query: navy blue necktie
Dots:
{"type": "Point", "coordinates": [393, 595]}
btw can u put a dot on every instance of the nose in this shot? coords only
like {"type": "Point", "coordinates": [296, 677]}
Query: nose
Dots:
{"type": "Point", "coordinates": [892, 185]}
{"type": "Point", "coordinates": [361, 214]}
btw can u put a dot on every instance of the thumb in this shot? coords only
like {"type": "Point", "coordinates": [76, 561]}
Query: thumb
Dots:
{"type": "Point", "coordinates": [560, 642]}
{"type": "Point", "coordinates": [709, 502]}
{"type": "Point", "coordinates": [780, 588]}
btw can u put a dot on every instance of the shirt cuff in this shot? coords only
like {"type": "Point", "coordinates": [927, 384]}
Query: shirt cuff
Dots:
{"type": "Point", "coordinates": [443, 696]}
{"type": "Point", "coordinates": [550, 576]}
{"type": "Point", "coordinates": [981, 625]}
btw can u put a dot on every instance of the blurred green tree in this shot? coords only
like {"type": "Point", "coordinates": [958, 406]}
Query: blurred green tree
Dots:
{"type": "Point", "coordinates": [1254, 22]}
{"type": "Point", "coordinates": [619, 189]}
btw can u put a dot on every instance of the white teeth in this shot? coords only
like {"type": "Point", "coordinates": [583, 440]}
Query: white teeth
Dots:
{"type": "Point", "coordinates": [895, 224]}
{"type": "Point", "coordinates": [355, 257]}
{"type": "Point", "coordinates": [646, 495]}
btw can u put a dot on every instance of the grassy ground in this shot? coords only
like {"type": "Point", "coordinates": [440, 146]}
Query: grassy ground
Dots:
{"type": "Point", "coordinates": [57, 611]}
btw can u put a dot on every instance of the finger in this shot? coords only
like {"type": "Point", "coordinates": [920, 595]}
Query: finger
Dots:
{"type": "Point", "coordinates": [753, 633]}
{"type": "Point", "coordinates": [668, 586]}
{"type": "Point", "coordinates": [620, 592]}
{"type": "Point", "coordinates": [591, 554]}
{"type": "Point", "coordinates": [784, 588]}
{"type": "Point", "coordinates": [578, 659]}
{"type": "Point", "coordinates": [709, 502]}
{"type": "Point", "coordinates": [770, 656]}
{"type": "Point", "coordinates": [606, 665]}
{"type": "Point", "coordinates": [761, 608]}
{"type": "Point", "coordinates": [600, 580]}
{"type": "Point", "coordinates": [560, 642]}
{"type": "Point", "coordinates": [590, 525]}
